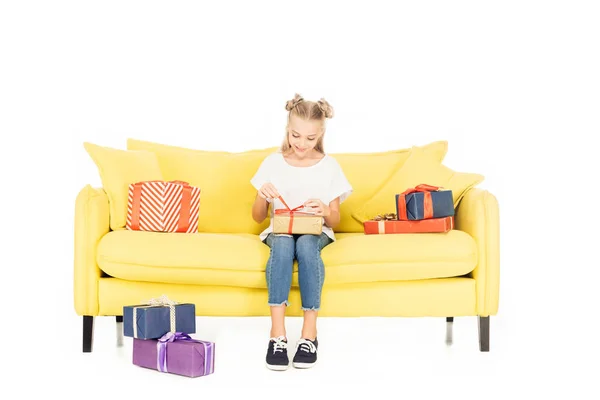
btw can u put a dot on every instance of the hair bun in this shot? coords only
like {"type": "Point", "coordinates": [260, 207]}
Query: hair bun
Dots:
{"type": "Point", "coordinates": [325, 107]}
{"type": "Point", "coordinates": [290, 104]}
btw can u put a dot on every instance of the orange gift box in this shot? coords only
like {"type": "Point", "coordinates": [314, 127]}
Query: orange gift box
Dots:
{"type": "Point", "coordinates": [386, 226]}
{"type": "Point", "coordinates": [163, 206]}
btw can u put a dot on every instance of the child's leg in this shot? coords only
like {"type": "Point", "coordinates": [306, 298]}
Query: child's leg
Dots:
{"type": "Point", "coordinates": [279, 279]}
{"type": "Point", "coordinates": [311, 275]}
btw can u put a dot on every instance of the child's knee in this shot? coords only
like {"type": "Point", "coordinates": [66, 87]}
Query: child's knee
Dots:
{"type": "Point", "coordinates": [282, 243]}
{"type": "Point", "coordinates": [307, 244]}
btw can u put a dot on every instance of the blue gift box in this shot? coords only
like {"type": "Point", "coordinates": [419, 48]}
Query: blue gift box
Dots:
{"type": "Point", "coordinates": [424, 202]}
{"type": "Point", "coordinates": [152, 321]}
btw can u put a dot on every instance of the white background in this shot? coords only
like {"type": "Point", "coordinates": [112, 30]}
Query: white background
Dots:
{"type": "Point", "coordinates": [514, 86]}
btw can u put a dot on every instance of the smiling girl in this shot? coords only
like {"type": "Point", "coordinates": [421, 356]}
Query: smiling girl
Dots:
{"type": "Point", "coordinates": [303, 175]}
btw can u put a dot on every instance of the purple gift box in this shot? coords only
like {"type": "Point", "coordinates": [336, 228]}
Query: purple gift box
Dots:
{"type": "Point", "coordinates": [175, 353]}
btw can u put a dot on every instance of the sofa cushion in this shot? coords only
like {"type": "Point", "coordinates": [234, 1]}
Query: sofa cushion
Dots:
{"type": "Point", "coordinates": [420, 168]}
{"type": "Point", "coordinates": [226, 196]}
{"type": "Point", "coordinates": [369, 172]}
{"type": "Point", "coordinates": [118, 169]}
{"type": "Point", "coordinates": [240, 259]}
{"type": "Point", "coordinates": [356, 257]}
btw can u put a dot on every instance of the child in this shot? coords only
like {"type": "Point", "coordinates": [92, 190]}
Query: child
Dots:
{"type": "Point", "coordinates": [302, 174]}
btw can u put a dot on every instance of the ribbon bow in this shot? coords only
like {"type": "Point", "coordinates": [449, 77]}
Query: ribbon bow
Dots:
{"type": "Point", "coordinates": [173, 336]}
{"type": "Point", "coordinates": [422, 188]}
{"type": "Point", "coordinates": [161, 301]}
{"type": "Point", "coordinates": [427, 202]}
{"type": "Point", "coordinates": [291, 211]}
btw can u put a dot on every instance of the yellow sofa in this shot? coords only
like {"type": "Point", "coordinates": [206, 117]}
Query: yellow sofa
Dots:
{"type": "Point", "coordinates": [221, 268]}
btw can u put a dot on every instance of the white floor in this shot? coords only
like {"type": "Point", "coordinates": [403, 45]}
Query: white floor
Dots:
{"type": "Point", "coordinates": [402, 357]}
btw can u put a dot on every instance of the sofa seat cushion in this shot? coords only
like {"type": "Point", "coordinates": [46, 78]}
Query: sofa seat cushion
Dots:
{"type": "Point", "coordinates": [356, 257]}
{"type": "Point", "coordinates": [240, 259]}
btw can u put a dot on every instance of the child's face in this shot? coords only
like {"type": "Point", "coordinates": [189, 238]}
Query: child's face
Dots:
{"type": "Point", "coordinates": [303, 135]}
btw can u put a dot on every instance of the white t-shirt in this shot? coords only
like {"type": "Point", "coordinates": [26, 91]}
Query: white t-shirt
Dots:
{"type": "Point", "coordinates": [324, 180]}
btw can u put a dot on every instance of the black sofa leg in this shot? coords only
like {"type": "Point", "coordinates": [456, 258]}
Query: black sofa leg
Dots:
{"type": "Point", "coordinates": [449, 323]}
{"type": "Point", "coordinates": [484, 333]}
{"type": "Point", "coordinates": [119, 319]}
{"type": "Point", "coordinates": [88, 333]}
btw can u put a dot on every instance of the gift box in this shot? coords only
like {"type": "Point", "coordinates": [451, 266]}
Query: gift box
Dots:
{"type": "Point", "coordinates": [294, 221]}
{"type": "Point", "coordinates": [158, 317]}
{"type": "Point", "coordinates": [424, 202]}
{"type": "Point", "coordinates": [163, 206]}
{"type": "Point", "coordinates": [389, 223]}
{"type": "Point", "coordinates": [175, 353]}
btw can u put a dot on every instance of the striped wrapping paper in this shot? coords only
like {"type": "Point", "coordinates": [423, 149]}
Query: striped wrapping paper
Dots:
{"type": "Point", "coordinates": [163, 206]}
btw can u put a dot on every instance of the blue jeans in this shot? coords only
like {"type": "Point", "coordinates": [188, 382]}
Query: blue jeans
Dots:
{"type": "Point", "coordinates": [311, 271]}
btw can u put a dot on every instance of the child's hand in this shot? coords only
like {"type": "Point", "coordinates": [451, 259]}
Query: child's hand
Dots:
{"type": "Point", "coordinates": [268, 192]}
{"type": "Point", "coordinates": [318, 207]}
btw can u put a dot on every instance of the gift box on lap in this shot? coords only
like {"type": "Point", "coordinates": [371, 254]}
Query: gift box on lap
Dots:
{"type": "Point", "coordinates": [158, 317]}
{"type": "Point", "coordinates": [389, 224]}
{"type": "Point", "coordinates": [293, 221]}
{"type": "Point", "coordinates": [175, 353]}
{"type": "Point", "coordinates": [424, 202]}
{"type": "Point", "coordinates": [163, 206]}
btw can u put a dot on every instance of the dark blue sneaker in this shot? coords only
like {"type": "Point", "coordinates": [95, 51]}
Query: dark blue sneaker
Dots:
{"type": "Point", "coordinates": [306, 353]}
{"type": "Point", "coordinates": [277, 357]}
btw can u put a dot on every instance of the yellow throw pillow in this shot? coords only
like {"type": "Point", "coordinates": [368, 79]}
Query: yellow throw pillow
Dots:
{"type": "Point", "coordinates": [420, 167]}
{"type": "Point", "coordinates": [226, 194]}
{"type": "Point", "coordinates": [118, 169]}
{"type": "Point", "coordinates": [136, 144]}
{"type": "Point", "coordinates": [369, 172]}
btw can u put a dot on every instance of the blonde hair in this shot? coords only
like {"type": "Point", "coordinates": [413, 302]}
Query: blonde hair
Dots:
{"type": "Point", "coordinates": [309, 111]}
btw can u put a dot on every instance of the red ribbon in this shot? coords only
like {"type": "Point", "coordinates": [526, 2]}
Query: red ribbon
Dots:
{"type": "Point", "coordinates": [184, 214]}
{"type": "Point", "coordinates": [427, 203]}
{"type": "Point", "coordinates": [291, 211]}
{"type": "Point", "coordinates": [186, 202]}
{"type": "Point", "coordinates": [135, 207]}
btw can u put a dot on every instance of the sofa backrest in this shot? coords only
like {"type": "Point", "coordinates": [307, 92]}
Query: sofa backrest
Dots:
{"type": "Point", "coordinates": [226, 193]}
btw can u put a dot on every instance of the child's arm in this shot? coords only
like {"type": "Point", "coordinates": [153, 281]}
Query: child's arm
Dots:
{"type": "Point", "coordinates": [260, 209]}
{"type": "Point", "coordinates": [261, 203]}
{"type": "Point", "coordinates": [266, 191]}
{"type": "Point", "coordinates": [333, 219]}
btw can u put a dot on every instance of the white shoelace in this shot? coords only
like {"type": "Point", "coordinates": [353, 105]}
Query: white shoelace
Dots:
{"type": "Point", "coordinates": [306, 345]}
{"type": "Point", "coordinates": [280, 344]}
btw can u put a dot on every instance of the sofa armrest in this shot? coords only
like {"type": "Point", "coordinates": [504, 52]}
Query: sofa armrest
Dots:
{"type": "Point", "coordinates": [478, 215]}
{"type": "Point", "coordinates": [91, 223]}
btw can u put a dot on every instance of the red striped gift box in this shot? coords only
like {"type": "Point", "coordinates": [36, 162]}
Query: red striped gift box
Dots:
{"type": "Point", "coordinates": [163, 206]}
